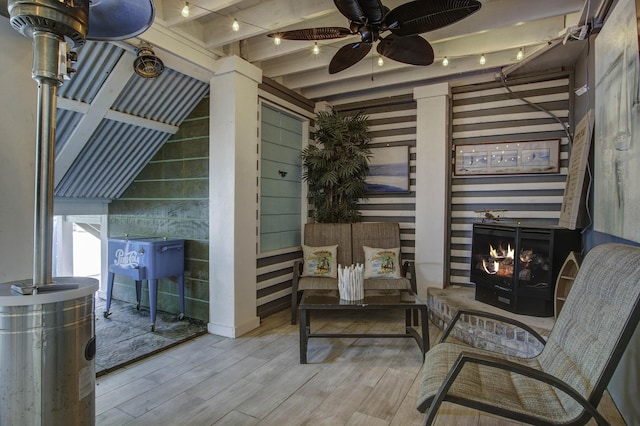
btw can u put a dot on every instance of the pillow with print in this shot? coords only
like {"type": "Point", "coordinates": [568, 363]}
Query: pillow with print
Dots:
{"type": "Point", "coordinates": [382, 263]}
{"type": "Point", "coordinates": [320, 261]}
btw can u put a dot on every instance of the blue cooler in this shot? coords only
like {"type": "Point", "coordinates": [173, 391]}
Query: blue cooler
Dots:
{"type": "Point", "coordinates": [146, 258]}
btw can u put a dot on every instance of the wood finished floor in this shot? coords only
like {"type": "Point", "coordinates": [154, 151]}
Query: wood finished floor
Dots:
{"type": "Point", "coordinates": [257, 380]}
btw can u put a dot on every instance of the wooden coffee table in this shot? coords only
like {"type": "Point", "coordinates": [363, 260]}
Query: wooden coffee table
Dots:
{"type": "Point", "coordinates": [318, 300]}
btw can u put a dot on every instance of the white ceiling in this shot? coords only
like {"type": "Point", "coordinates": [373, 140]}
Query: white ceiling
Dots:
{"type": "Point", "coordinates": [498, 30]}
{"type": "Point", "coordinates": [190, 47]}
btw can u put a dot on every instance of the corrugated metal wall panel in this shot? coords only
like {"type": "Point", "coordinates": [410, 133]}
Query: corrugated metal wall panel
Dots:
{"type": "Point", "coordinates": [95, 62]}
{"type": "Point", "coordinates": [488, 113]}
{"type": "Point", "coordinates": [110, 161]}
{"type": "Point", "coordinates": [117, 151]}
{"type": "Point", "coordinates": [167, 98]}
{"type": "Point", "coordinates": [66, 122]}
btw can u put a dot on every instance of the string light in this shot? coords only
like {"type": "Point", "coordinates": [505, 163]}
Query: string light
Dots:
{"type": "Point", "coordinates": [483, 60]}
{"type": "Point", "coordinates": [235, 26]}
{"type": "Point", "coordinates": [316, 49]}
{"type": "Point", "coordinates": [445, 62]}
{"type": "Point", "coordinates": [380, 61]}
{"type": "Point", "coordinates": [185, 10]}
{"type": "Point", "coordinates": [277, 40]}
{"type": "Point", "coordinates": [520, 55]}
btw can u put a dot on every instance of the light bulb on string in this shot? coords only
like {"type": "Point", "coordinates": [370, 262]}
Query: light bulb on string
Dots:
{"type": "Point", "coordinates": [380, 61]}
{"type": "Point", "coordinates": [235, 26]}
{"type": "Point", "coordinates": [445, 62]}
{"type": "Point", "coordinates": [483, 60]}
{"type": "Point", "coordinates": [316, 49]}
{"type": "Point", "coordinates": [185, 10]}
{"type": "Point", "coordinates": [277, 40]}
{"type": "Point", "coordinates": [520, 54]}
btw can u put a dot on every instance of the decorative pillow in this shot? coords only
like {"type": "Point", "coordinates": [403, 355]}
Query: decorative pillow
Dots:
{"type": "Point", "coordinates": [382, 263]}
{"type": "Point", "coordinates": [320, 261]}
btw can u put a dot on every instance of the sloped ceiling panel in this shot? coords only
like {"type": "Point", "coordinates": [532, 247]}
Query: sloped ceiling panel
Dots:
{"type": "Point", "coordinates": [166, 99]}
{"type": "Point", "coordinates": [66, 122]}
{"type": "Point", "coordinates": [111, 159]}
{"type": "Point", "coordinates": [95, 62]}
{"type": "Point", "coordinates": [110, 122]}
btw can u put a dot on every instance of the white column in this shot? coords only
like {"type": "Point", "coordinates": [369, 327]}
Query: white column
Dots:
{"type": "Point", "coordinates": [432, 157]}
{"type": "Point", "coordinates": [232, 197]}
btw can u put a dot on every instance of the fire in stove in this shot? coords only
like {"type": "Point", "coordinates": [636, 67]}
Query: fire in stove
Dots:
{"type": "Point", "coordinates": [500, 261]}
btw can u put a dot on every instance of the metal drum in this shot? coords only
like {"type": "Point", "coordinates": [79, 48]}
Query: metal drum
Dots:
{"type": "Point", "coordinates": [47, 349]}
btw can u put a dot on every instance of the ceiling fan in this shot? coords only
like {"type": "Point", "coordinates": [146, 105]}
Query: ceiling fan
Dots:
{"type": "Point", "coordinates": [370, 18]}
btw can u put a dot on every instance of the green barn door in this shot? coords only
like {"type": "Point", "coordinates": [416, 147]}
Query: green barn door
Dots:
{"type": "Point", "coordinates": [280, 179]}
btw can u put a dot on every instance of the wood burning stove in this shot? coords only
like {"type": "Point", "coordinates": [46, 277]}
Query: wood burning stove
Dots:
{"type": "Point", "coordinates": [515, 267]}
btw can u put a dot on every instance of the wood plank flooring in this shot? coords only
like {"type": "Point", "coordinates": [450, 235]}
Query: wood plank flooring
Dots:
{"type": "Point", "coordinates": [257, 380]}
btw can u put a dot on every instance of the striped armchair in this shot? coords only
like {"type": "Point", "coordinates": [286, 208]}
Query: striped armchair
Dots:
{"type": "Point", "coordinates": [565, 382]}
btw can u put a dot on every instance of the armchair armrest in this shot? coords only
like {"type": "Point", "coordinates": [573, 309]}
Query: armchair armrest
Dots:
{"type": "Point", "coordinates": [503, 364]}
{"type": "Point", "coordinates": [297, 271]}
{"type": "Point", "coordinates": [490, 315]}
{"type": "Point", "coordinates": [409, 267]}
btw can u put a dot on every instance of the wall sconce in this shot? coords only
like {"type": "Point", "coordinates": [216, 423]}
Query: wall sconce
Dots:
{"type": "Point", "coordinates": [147, 64]}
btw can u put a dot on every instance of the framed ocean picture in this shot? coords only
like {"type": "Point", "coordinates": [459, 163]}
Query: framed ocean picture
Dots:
{"type": "Point", "coordinates": [388, 169]}
{"type": "Point", "coordinates": [519, 157]}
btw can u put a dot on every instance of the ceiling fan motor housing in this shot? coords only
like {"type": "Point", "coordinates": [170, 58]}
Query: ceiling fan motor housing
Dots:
{"type": "Point", "coordinates": [369, 34]}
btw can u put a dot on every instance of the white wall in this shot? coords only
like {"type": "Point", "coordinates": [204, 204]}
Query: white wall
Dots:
{"type": "Point", "coordinates": [18, 94]}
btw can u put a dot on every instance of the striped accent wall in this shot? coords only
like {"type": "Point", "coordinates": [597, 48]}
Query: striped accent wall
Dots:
{"type": "Point", "coordinates": [275, 268]}
{"type": "Point", "coordinates": [488, 113]}
{"type": "Point", "coordinates": [392, 122]}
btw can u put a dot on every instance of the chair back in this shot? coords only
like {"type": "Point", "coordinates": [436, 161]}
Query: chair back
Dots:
{"type": "Point", "coordinates": [384, 235]}
{"type": "Point", "coordinates": [596, 322]}
{"type": "Point", "coordinates": [328, 234]}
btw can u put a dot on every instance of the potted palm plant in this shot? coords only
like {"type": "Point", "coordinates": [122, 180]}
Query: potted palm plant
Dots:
{"type": "Point", "coordinates": [336, 166]}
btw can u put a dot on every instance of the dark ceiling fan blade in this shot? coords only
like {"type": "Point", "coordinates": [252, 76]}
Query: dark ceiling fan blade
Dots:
{"type": "Point", "coordinates": [420, 16]}
{"type": "Point", "coordinates": [363, 11]}
{"type": "Point", "coordinates": [412, 50]}
{"type": "Point", "coordinates": [348, 55]}
{"type": "Point", "coordinates": [321, 33]}
{"type": "Point", "coordinates": [118, 20]}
